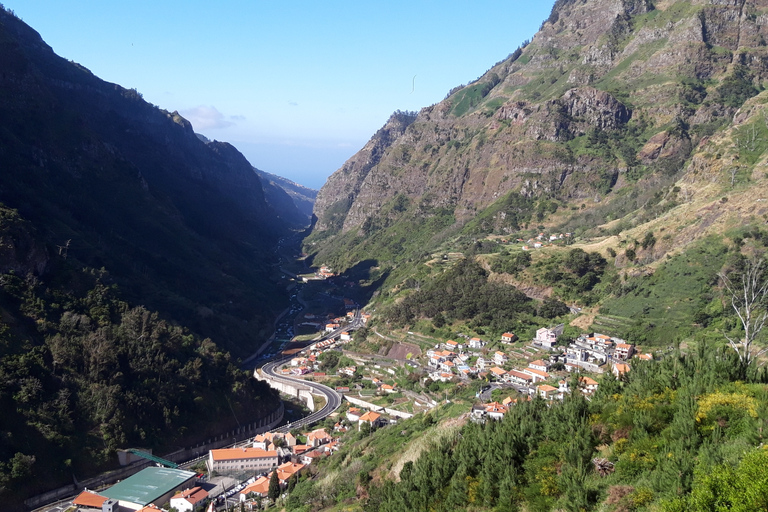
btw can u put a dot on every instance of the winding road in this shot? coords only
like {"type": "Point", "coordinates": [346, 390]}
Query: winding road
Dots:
{"type": "Point", "coordinates": [332, 398]}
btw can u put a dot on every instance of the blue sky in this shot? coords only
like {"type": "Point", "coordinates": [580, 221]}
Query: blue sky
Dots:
{"type": "Point", "coordinates": [298, 87]}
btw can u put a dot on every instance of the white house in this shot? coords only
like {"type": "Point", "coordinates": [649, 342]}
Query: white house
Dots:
{"type": "Point", "coordinates": [189, 500]}
{"type": "Point", "coordinates": [476, 343]}
{"type": "Point", "coordinates": [508, 337]}
{"type": "Point", "coordinates": [537, 375]}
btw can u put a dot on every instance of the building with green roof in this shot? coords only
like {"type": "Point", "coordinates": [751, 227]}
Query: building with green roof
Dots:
{"type": "Point", "coordinates": [150, 485]}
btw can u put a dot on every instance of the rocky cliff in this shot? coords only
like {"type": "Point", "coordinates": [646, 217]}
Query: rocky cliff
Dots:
{"type": "Point", "coordinates": [609, 99]}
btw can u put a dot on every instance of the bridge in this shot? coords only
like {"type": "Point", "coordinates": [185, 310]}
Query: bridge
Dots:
{"type": "Point", "coordinates": [153, 458]}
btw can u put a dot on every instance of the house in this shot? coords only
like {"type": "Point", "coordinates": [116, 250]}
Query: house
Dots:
{"type": "Point", "coordinates": [451, 345]}
{"type": "Point", "coordinates": [476, 343]}
{"type": "Point", "coordinates": [444, 377]}
{"type": "Point", "coordinates": [495, 410]}
{"type": "Point", "coordinates": [353, 414]}
{"type": "Point", "coordinates": [645, 357]}
{"type": "Point", "coordinates": [508, 337]}
{"type": "Point", "coordinates": [287, 470]}
{"type": "Point", "coordinates": [189, 500]}
{"type": "Point", "coordinates": [624, 351]}
{"type": "Point", "coordinates": [588, 385]}
{"type": "Point", "coordinates": [237, 459]}
{"type": "Point", "coordinates": [318, 437]}
{"type": "Point", "coordinates": [546, 391]}
{"type": "Point", "coordinates": [308, 458]}
{"type": "Point", "coordinates": [537, 375]}
{"type": "Point", "coordinates": [447, 366]}
{"type": "Point", "coordinates": [331, 327]}
{"type": "Point", "coordinates": [500, 358]}
{"type": "Point", "coordinates": [570, 367]}
{"type": "Point", "coordinates": [620, 369]}
{"type": "Point", "coordinates": [539, 365]}
{"type": "Point", "coordinates": [372, 418]}
{"type": "Point", "coordinates": [548, 337]}
{"type": "Point", "coordinates": [480, 363]}
{"type": "Point", "coordinates": [497, 372]}
{"type": "Point", "coordinates": [345, 336]}
{"type": "Point", "coordinates": [89, 499]}
{"type": "Point", "coordinates": [260, 488]}
{"type": "Point", "coordinates": [388, 389]}
{"type": "Point", "coordinates": [299, 449]}
{"type": "Point", "coordinates": [520, 378]}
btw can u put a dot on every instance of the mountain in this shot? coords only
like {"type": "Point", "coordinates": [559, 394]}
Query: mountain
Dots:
{"type": "Point", "coordinates": [136, 265]}
{"type": "Point", "coordinates": [292, 202]}
{"type": "Point", "coordinates": [302, 199]}
{"type": "Point", "coordinates": [618, 116]}
{"type": "Point", "coordinates": [181, 225]}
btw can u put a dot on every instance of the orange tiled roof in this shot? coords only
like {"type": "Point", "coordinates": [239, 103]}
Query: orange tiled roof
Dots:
{"type": "Point", "coordinates": [260, 486]}
{"type": "Point", "coordinates": [520, 375]}
{"type": "Point", "coordinates": [89, 499]}
{"type": "Point", "coordinates": [149, 508]}
{"type": "Point", "coordinates": [540, 373]}
{"type": "Point", "coordinates": [193, 495]}
{"type": "Point", "coordinates": [370, 416]}
{"type": "Point", "coordinates": [241, 453]}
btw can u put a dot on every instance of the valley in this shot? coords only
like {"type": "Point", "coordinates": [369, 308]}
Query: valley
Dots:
{"type": "Point", "coordinates": [545, 292]}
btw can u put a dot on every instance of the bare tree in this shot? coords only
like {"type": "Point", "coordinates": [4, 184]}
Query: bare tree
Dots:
{"type": "Point", "coordinates": [748, 294]}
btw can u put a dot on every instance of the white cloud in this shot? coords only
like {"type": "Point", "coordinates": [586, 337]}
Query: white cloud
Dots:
{"type": "Point", "coordinates": [207, 118]}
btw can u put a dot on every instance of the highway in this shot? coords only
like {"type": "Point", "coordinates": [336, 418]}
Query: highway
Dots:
{"type": "Point", "coordinates": [332, 398]}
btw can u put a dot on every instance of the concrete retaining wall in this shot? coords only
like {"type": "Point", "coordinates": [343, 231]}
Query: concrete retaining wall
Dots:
{"type": "Point", "coordinates": [289, 387]}
{"type": "Point", "coordinates": [377, 408]}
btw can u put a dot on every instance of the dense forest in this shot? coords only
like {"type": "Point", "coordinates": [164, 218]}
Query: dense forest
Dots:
{"type": "Point", "coordinates": [83, 373]}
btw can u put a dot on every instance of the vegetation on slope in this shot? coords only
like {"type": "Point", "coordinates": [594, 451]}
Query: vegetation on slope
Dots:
{"type": "Point", "coordinates": [82, 373]}
{"type": "Point", "coordinates": [663, 429]}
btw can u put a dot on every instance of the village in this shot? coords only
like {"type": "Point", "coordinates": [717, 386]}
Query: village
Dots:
{"type": "Point", "coordinates": [377, 391]}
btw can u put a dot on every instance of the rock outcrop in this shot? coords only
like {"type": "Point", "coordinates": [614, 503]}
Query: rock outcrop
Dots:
{"type": "Point", "coordinates": [593, 95]}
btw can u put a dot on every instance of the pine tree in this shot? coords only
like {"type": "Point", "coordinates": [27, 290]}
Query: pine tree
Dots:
{"type": "Point", "coordinates": [274, 487]}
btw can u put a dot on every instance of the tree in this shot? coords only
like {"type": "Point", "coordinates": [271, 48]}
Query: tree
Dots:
{"type": "Point", "coordinates": [748, 293]}
{"type": "Point", "coordinates": [274, 487]}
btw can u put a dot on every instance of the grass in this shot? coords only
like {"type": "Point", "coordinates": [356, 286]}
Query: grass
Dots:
{"type": "Point", "coordinates": [660, 309]}
{"type": "Point", "coordinates": [469, 97]}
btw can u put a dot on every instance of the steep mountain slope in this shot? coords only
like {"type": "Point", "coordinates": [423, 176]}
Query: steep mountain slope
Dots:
{"type": "Point", "coordinates": [299, 202]}
{"type": "Point", "coordinates": [133, 258]}
{"type": "Point", "coordinates": [600, 113]}
{"type": "Point", "coordinates": [181, 225]}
